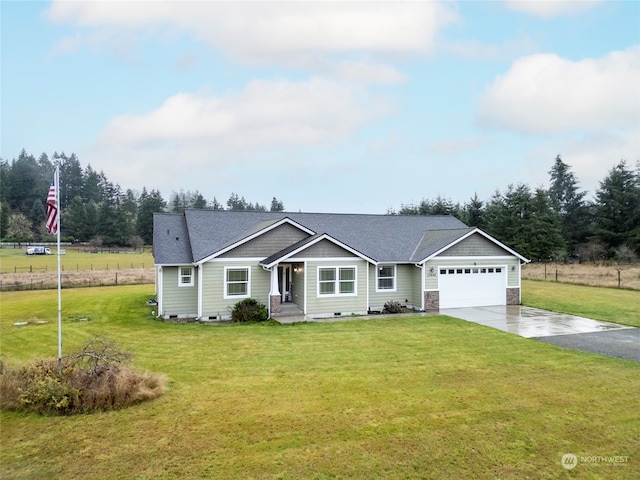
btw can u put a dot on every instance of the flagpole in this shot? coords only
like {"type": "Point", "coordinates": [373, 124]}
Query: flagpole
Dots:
{"type": "Point", "coordinates": [57, 180]}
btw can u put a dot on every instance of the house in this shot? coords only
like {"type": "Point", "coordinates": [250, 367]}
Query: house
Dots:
{"type": "Point", "coordinates": [322, 265]}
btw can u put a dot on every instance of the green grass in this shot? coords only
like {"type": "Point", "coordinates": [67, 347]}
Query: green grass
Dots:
{"type": "Point", "coordinates": [412, 397]}
{"type": "Point", "coordinates": [608, 304]}
{"type": "Point", "coordinates": [14, 260]}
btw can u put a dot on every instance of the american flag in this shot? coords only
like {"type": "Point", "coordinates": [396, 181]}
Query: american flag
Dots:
{"type": "Point", "coordinates": [52, 208]}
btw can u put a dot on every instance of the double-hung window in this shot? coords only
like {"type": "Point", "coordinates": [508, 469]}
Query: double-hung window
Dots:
{"type": "Point", "coordinates": [237, 282]}
{"type": "Point", "coordinates": [336, 281]}
{"type": "Point", "coordinates": [386, 278]}
{"type": "Point", "coordinates": [185, 277]}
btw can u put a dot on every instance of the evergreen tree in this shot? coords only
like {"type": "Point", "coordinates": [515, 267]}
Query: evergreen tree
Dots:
{"type": "Point", "coordinates": [198, 201]}
{"type": "Point", "coordinates": [92, 185]}
{"type": "Point", "coordinates": [544, 226]}
{"type": "Point", "coordinates": [75, 220]}
{"type": "Point", "coordinates": [276, 205]}
{"type": "Point", "coordinates": [236, 203]}
{"type": "Point", "coordinates": [26, 183]}
{"type": "Point", "coordinates": [149, 203]}
{"type": "Point", "coordinates": [473, 212]}
{"type": "Point", "coordinates": [38, 212]}
{"type": "Point", "coordinates": [569, 204]}
{"type": "Point", "coordinates": [93, 219]}
{"type": "Point", "coordinates": [71, 179]}
{"type": "Point", "coordinates": [5, 211]}
{"type": "Point", "coordinates": [617, 209]}
{"type": "Point", "coordinates": [215, 205]}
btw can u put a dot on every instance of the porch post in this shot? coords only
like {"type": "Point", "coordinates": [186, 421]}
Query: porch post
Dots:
{"type": "Point", "coordinates": [274, 294]}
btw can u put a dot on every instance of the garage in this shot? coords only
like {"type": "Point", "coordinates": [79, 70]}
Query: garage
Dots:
{"type": "Point", "coordinates": [472, 286]}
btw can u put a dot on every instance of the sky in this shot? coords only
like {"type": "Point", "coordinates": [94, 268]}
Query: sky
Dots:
{"type": "Point", "coordinates": [346, 107]}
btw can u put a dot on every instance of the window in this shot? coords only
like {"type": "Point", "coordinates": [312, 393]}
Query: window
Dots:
{"type": "Point", "coordinates": [185, 277]}
{"type": "Point", "coordinates": [387, 277]}
{"type": "Point", "coordinates": [336, 281]}
{"type": "Point", "coordinates": [327, 279]}
{"type": "Point", "coordinates": [347, 281]}
{"type": "Point", "coordinates": [237, 282]}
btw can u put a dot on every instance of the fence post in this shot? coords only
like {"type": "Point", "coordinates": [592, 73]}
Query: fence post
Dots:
{"type": "Point", "coordinates": [619, 281]}
{"type": "Point", "coordinates": [556, 275]}
{"type": "Point", "coordinates": [116, 279]}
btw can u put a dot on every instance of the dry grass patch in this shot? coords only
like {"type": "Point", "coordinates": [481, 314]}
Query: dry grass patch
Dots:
{"type": "Point", "coordinates": [97, 378]}
{"type": "Point", "coordinates": [585, 274]}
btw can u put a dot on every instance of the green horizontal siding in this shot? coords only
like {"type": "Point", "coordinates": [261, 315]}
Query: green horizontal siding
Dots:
{"type": "Point", "coordinates": [177, 300]}
{"type": "Point", "coordinates": [213, 280]}
{"type": "Point", "coordinates": [336, 304]}
{"type": "Point", "coordinates": [405, 292]}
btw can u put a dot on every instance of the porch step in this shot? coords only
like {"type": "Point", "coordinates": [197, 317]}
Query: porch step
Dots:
{"type": "Point", "coordinates": [289, 310]}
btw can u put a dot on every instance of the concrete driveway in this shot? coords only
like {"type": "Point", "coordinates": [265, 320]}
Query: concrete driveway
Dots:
{"type": "Point", "coordinates": [563, 330]}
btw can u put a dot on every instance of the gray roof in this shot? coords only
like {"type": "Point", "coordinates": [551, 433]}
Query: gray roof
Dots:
{"type": "Point", "coordinates": [198, 234]}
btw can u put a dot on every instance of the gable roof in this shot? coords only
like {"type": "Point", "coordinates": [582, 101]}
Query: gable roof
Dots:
{"type": "Point", "coordinates": [379, 238]}
{"type": "Point", "coordinates": [303, 244]}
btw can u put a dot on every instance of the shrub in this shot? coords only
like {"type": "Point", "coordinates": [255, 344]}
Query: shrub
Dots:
{"type": "Point", "coordinates": [249, 310]}
{"type": "Point", "coordinates": [94, 379]}
{"type": "Point", "coordinates": [392, 306]}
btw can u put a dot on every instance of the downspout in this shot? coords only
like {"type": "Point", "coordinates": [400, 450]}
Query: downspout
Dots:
{"type": "Point", "coordinates": [368, 274]}
{"type": "Point", "coordinates": [160, 276]}
{"type": "Point", "coordinates": [520, 280]}
{"type": "Point", "coordinates": [421, 267]}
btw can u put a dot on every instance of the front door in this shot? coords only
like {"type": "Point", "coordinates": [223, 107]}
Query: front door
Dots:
{"type": "Point", "coordinates": [284, 282]}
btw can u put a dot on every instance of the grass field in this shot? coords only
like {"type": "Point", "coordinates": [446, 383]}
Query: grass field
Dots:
{"type": "Point", "coordinates": [624, 276]}
{"type": "Point", "coordinates": [14, 260]}
{"type": "Point", "coordinates": [609, 304]}
{"type": "Point", "coordinates": [19, 271]}
{"type": "Point", "coordinates": [429, 397]}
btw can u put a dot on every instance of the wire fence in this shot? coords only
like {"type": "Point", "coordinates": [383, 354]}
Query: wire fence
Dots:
{"type": "Point", "coordinates": [613, 276]}
{"type": "Point", "coordinates": [71, 279]}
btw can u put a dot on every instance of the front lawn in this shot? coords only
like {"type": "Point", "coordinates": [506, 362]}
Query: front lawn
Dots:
{"type": "Point", "coordinates": [417, 397]}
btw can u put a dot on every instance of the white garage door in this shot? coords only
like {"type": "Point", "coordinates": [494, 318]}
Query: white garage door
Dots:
{"type": "Point", "coordinates": [472, 286]}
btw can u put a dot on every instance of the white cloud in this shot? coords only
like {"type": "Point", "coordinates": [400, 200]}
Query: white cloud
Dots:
{"type": "Point", "coordinates": [365, 72]}
{"type": "Point", "coordinates": [476, 50]}
{"type": "Point", "coordinates": [285, 32]}
{"type": "Point", "coordinates": [545, 94]}
{"type": "Point", "coordinates": [551, 8]}
{"type": "Point", "coordinates": [264, 114]}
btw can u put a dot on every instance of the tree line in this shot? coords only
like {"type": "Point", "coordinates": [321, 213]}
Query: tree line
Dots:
{"type": "Point", "coordinates": [558, 223]}
{"type": "Point", "coordinates": [94, 209]}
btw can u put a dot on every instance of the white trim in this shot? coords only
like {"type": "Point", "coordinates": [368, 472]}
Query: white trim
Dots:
{"type": "Point", "coordinates": [336, 281]}
{"type": "Point", "coordinates": [394, 277]}
{"type": "Point", "coordinates": [472, 258]}
{"type": "Point", "coordinates": [191, 276]}
{"type": "Point", "coordinates": [200, 291]}
{"type": "Point", "coordinates": [225, 295]}
{"type": "Point", "coordinates": [235, 259]}
{"type": "Point", "coordinates": [324, 236]}
{"type": "Point", "coordinates": [304, 287]}
{"type": "Point", "coordinates": [467, 235]}
{"type": "Point", "coordinates": [159, 293]}
{"type": "Point", "coordinates": [256, 235]}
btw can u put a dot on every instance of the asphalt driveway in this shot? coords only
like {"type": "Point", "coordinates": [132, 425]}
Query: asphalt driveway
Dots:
{"type": "Point", "coordinates": [569, 331]}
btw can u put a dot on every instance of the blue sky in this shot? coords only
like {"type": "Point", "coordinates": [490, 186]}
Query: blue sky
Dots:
{"type": "Point", "coordinates": [329, 106]}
